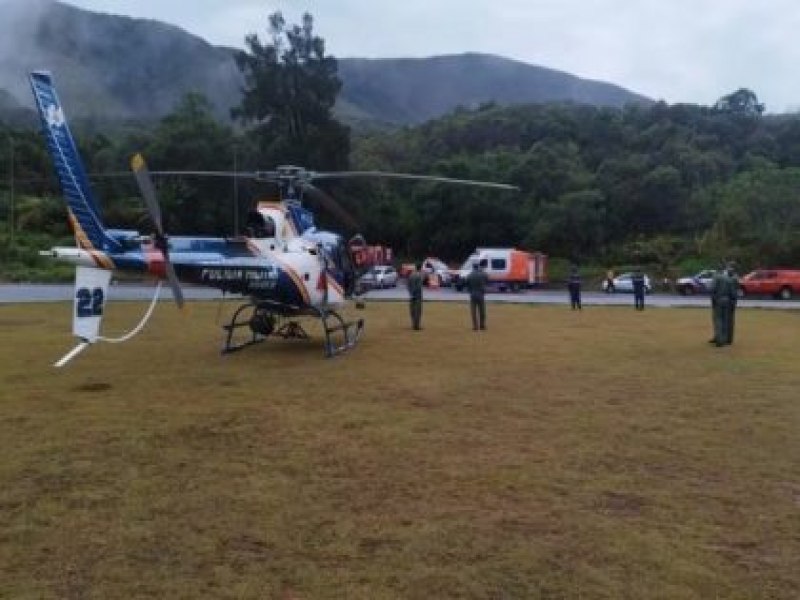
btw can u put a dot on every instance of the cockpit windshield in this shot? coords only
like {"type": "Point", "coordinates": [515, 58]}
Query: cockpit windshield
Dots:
{"type": "Point", "coordinates": [259, 226]}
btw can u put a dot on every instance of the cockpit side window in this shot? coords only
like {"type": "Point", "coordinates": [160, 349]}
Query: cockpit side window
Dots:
{"type": "Point", "coordinates": [259, 226]}
{"type": "Point", "coordinates": [339, 258]}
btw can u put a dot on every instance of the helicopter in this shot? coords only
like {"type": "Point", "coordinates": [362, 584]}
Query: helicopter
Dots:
{"type": "Point", "coordinates": [284, 267]}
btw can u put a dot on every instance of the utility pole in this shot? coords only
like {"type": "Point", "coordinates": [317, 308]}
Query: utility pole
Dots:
{"type": "Point", "coordinates": [235, 189]}
{"type": "Point", "coordinates": [11, 207]}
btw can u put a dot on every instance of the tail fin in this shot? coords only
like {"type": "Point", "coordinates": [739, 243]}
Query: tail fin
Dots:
{"type": "Point", "coordinates": [91, 291]}
{"type": "Point", "coordinates": [84, 213]}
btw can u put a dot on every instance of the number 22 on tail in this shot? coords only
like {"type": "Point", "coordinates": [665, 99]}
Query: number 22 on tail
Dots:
{"type": "Point", "coordinates": [91, 290]}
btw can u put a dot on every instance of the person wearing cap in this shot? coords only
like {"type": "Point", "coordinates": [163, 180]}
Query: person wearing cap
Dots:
{"type": "Point", "coordinates": [476, 283]}
{"type": "Point", "coordinates": [414, 285]}
{"type": "Point", "coordinates": [574, 286]}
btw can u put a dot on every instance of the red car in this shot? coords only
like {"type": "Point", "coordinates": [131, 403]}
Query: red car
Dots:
{"type": "Point", "coordinates": [781, 283]}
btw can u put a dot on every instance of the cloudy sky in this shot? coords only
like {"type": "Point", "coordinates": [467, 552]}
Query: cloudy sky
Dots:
{"type": "Point", "coordinates": [676, 50]}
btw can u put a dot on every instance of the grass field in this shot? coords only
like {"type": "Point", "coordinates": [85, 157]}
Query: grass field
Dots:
{"type": "Point", "coordinates": [608, 454]}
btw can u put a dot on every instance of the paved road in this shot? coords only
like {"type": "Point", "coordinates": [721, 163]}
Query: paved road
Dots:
{"type": "Point", "coordinates": [587, 298]}
{"type": "Point", "coordinates": [10, 294]}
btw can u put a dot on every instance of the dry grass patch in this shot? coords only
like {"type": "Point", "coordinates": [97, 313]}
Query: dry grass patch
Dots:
{"type": "Point", "coordinates": [605, 454]}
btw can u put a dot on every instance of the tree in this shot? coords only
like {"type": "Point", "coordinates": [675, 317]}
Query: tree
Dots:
{"type": "Point", "coordinates": [759, 216]}
{"type": "Point", "coordinates": [742, 102]}
{"type": "Point", "coordinates": [291, 86]}
{"type": "Point", "coordinates": [574, 227]}
{"type": "Point", "coordinates": [191, 138]}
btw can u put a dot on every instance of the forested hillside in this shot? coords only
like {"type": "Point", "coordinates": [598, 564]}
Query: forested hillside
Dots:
{"type": "Point", "coordinates": [663, 183]}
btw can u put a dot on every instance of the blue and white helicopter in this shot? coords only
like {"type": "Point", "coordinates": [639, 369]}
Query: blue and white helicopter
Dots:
{"type": "Point", "coordinates": [284, 266]}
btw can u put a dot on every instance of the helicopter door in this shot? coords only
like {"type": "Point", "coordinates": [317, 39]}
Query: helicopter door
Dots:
{"type": "Point", "coordinates": [341, 256]}
{"type": "Point", "coordinates": [324, 272]}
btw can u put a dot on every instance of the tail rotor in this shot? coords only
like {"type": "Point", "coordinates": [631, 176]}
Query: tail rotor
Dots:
{"type": "Point", "coordinates": [160, 239]}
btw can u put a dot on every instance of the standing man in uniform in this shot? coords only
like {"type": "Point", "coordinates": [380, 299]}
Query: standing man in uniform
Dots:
{"type": "Point", "coordinates": [734, 295]}
{"type": "Point", "coordinates": [476, 286]}
{"type": "Point", "coordinates": [720, 307]}
{"type": "Point", "coordinates": [574, 286]}
{"type": "Point", "coordinates": [415, 296]}
{"type": "Point", "coordinates": [638, 289]}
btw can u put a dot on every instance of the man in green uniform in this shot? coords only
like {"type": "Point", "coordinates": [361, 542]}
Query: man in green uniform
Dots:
{"type": "Point", "coordinates": [415, 296]}
{"type": "Point", "coordinates": [721, 293]}
{"type": "Point", "coordinates": [476, 286]}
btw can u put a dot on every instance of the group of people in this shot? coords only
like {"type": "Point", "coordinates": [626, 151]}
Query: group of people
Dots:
{"type": "Point", "coordinates": [724, 294]}
{"type": "Point", "coordinates": [637, 281]}
{"type": "Point", "coordinates": [475, 283]}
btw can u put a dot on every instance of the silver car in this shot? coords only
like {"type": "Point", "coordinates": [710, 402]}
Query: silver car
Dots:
{"type": "Point", "coordinates": [381, 276]}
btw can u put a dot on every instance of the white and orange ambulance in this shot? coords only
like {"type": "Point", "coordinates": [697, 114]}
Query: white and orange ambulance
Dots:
{"type": "Point", "coordinates": [508, 269]}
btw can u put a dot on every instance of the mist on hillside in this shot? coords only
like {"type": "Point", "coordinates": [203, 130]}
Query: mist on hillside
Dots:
{"type": "Point", "coordinates": [110, 68]}
{"type": "Point", "coordinates": [19, 21]}
{"type": "Point", "coordinates": [108, 65]}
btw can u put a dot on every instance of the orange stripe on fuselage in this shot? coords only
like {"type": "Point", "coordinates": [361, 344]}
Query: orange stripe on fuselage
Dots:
{"type": "Point", "coordinates": [80, 235]}
{"type": "Point", "coordinates": [334, 284]}
{"type": "Point", "coordinates": [298, 282]}
{"type": "Point", "coordinates": [101, 259]}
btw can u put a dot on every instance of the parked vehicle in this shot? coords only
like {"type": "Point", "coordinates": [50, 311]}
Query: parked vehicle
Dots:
{"type": "Point", "coordinates": [696, 284]}
{"type": "Point", "coordinates": [365, 255]}
{"type": "Point", "coordinates": [430, 267]}
{"type": "Point", "coordinates": [624, 283]}
{"type": "Point", "coordinates": [507, 268]}
{"type": "Point", "coordinates": [433, 267]}
{"type": "Point", "coordinates": [381, 276]}
{"type": "Point", "coordinates": [780, 283]}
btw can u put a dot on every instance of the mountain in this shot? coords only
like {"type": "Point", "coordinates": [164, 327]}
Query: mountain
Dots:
{"type": "Point", "coordinates": [410, 90]}
{"type": "Point", "coordinates": [111, 67]}
{"type": "Point", "coordinates": [107, 65]}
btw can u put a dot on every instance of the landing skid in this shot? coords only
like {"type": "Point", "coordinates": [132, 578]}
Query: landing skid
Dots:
{"type": "Point", "coordinates": [263, 319]}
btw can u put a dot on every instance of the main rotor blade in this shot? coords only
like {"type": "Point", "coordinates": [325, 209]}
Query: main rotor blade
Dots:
{"type": "Point", "coordinates": [148, 191]}
{"type": "Point", "coordinates": [387, 175]}
{"type": "Point", "coordinates": [331, 205]}
{"type": "Point", "coordinates": [239, 174]}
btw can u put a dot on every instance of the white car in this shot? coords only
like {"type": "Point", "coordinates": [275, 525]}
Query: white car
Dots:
{"type": "Point", "coordinates": [433, 267]}
{"type": "Point", "coordinates": [696, 284]}
{"type": "Point", "coordinates": [381, 276]}
{"type": "Point", "coordinates": [624, 283]}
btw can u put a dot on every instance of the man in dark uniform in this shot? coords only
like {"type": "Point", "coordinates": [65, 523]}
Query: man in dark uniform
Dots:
{"type": "Point", "coordinates": [476, 286]}
{"type": "Point", "coordinates": [415, 296]}
{"type": "Point", "coordinates": [637, 279]}
{"type": "Point", "coordinates": [721, 287]}
{"type": "Point", "coordinates": [574, 286]}
{"type": "Point", "coordinates": [734, 298]}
